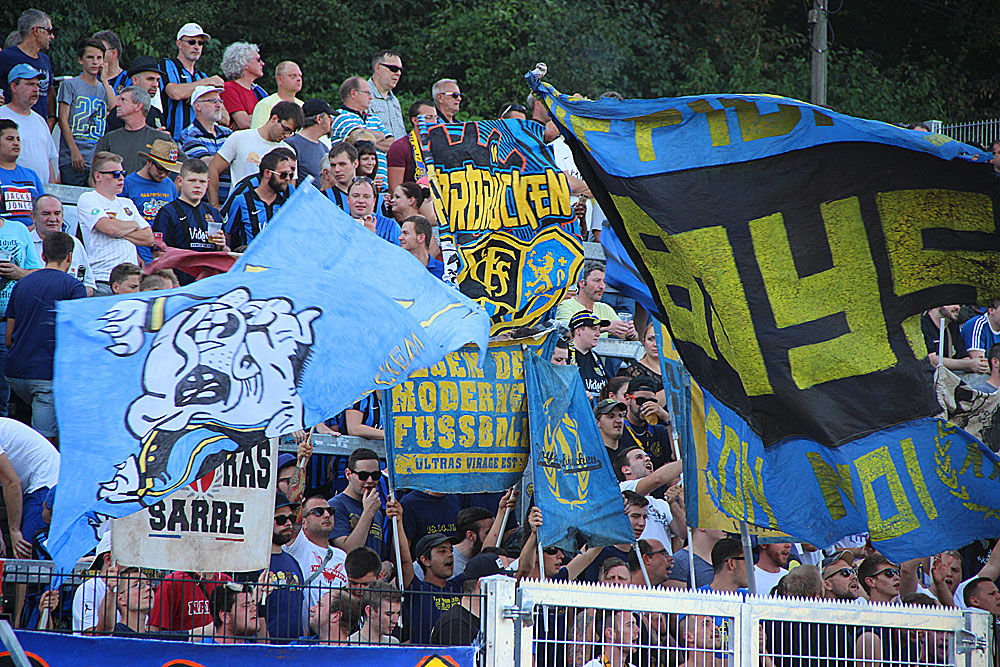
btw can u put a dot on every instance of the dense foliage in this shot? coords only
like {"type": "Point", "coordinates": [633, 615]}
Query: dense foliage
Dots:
{"type": "Point", "coordinates": [895, 60]}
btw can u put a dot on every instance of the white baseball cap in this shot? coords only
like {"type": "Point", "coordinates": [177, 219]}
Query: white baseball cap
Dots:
{"type": "Point", "coordinates": [192, 30]}
{"type": "Point", "coordinates": [201, 90]}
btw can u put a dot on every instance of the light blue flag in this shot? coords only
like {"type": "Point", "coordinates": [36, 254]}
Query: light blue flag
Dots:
{"type": "Point", "coordinates": [575, 487]}
{"type": "Point", "coordinates": [153, 390]}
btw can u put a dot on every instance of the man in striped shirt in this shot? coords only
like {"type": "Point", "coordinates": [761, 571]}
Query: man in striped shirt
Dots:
{"type": "Point", "coordinates": [355, 99]}
{"type": "Point", "coordinates": [981, 333]}
{"type": "Point", "coordinates": [181, 78]}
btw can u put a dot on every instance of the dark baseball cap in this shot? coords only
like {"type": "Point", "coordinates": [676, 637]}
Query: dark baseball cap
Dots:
{"type": "Point", "coordinates": [429, 541]}
{"type": "Point", "coordinates": [281, 500]}
{"type": "Point", "coordinates": [484, 565]}
{"type": "Point", "coordinates": [285, 459]}
{"type": "Point", "coordinates": [586, 319]}
{"type": "Point", "coordinates": [643, 383]}
{"type": "Point", "coordinates": [316, 106]}
{"type": "Point", "coordinates": [845, 556]}
{"type": "Point", "coordinates": [607, 405]}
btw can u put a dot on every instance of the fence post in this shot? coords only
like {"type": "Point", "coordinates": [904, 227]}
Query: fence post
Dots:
{"type": "Point", "coordinates": [975, 642]}
{"type": "Point", "coordinates": [500, 621]}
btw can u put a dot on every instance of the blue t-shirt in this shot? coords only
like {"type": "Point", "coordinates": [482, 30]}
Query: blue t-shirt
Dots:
{"type": "Point", "coordinates": [32, 307]}
{"type": "Point", "coordinates": [348, 513]}
{"type": "Point", "coordinates": [424, 513]}
{"type": "Point", "coordinates": [148, 197]}
{"type": "Point", "coordinates": [978, 334]}
{"type": "Point", "coordinates": [284, 605]}
{"type": "Point", "coordinates": [704, 573]}
{"type": "Point", "coordinates": [387, 228]}
{"type": "Point", "coordinates": [423, 607]}
{"type": "Point", "coordinates": [15, 240]}
{"type": "Point", "coordinates": [12, 56]}
{"type": "Point", "coordinates": [436, 267]}
{"type": "Point", "coordinates": [18, 188]}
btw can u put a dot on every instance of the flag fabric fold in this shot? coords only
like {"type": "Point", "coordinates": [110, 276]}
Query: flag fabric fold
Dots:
{"type": "Point", "coordinates": [574, 483]}
{"type": "Point", "coordinates": [153, 390]}
{"type": "Point", "coordinates": [791, 251]}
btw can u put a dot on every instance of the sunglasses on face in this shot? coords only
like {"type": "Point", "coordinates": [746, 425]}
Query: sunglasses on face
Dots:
{"type": "Point", "coordinates": [320, 511]}
{"type": "Point", "coordinates": [456, 96]}
{"type": "Point", "coordinates": [842, 572]}
{"type": "Point", "coordinates": [641, 401]}
{"type": "Point", "coordinates": [51, 31]}
{"type": "Point", "coordinates": [551, 551]}
{"type": "Point", "coordinates": [288, 130]}
{"type": "Point", "coordinates": [284, 175]}
{"type": "Point", "coordinates": [364, 475]}
{"type": "Point", "coordinates": [282, 519]}
{"type": "Point", "coordinates": [395, 69]}
{"type": "Point", "coordinates": [195, 42]}
{"type": "Point", "coordinates": [116, 173]}
{"type": "Point", "coordinates": [891, 571]}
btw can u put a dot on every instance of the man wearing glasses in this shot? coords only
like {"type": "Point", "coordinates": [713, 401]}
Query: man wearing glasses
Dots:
{"type": "Point", "coordinates": [283, 607]}
{"type": "Point", "coordinates": [322, 564]}
{"type": "Point", "coordinates": [204, 137]}
{"type": "Point", "coordinates": [840, 579]}
{"type": "Point", "coordinates": [242, 152]}
{"type": "Point", "coordinates": [447, 99]}
{"type": "Point", "coordinates": [35, 30]}
{"type": "Point", "coordinates": [879, 578]}
{"type": "Point", "coordinates": [355, 101]}
{"type": "Point", "coordinates": [181, 78]}
{"type": "Point", "coordinates": [387, 67]}
{"type": "Point", "coordinates": [248, 212]}
{"type": "Point", "coordinates": [358, 517]}
{"type": "Point", "coordinates": [111, 226]}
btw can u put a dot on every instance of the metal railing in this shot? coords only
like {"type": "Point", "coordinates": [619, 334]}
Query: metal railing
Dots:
{"type": "Point", "coordinates": [545, 623]}
{"type": "Point", "coordinates": [980, 132]}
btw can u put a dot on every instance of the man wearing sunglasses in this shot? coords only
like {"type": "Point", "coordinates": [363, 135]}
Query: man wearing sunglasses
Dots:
{"type": "Point", "coordinates": [387, 68]}
{"type": "Point", "coordinates": [34, 27]}
{"type": "Point", "coordinates": [358, 517]}
{"type": "Point", "coordinates": [111, 225]}
{"type": "Point", "coordinates": [447, 99]}
{"type": "Point", "coordinates": [247, 213]}
{"type": "Point", "coordinates": [879, 578]}
{"type": "Point", "coordinates": [647, 424]}
{"type": "Point", "coordinates": [840, 579]}
{"type": "Point", "coordinates": [242, 151]}
{"type": "Point", "coordinates": [181, 78]}
{"type": "Point", "coordinates": [322, 564]}
{"type": "Point", "coordinates": [283, 607]}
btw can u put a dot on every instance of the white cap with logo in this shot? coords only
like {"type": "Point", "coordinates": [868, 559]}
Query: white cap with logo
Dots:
{"type": "Point", "coordinates": [192, 30]}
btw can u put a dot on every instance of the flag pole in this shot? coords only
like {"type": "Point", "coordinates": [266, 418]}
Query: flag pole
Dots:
{"type": "Point", "coordinates": [748, 557]}
{"type": "Point", "coordinates": [642, 565]}
{"type": "Point", "coordinates": [396, 528]}
{"type": "Point", "coordinates": [941, 327]}
{"type": "Point", "coordinates": [674, 440]}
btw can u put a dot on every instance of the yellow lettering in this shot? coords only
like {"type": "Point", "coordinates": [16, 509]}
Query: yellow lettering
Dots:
{"type": "Point", "coordinates": [467, 391]}
{"type": "Point", "coordinates": [730, 446]}
{"type": "Point", "coordinates": [485, 396]}
{"type": "Point", "coordinates": [486, 432]}
{"type": "Point", "coordinates": [471, 361]}
{"type": "Point", "coordinates": [440, 369]}
{"type": "Point", "coordinates": [874, 466]}
{"type": "Point", "coordinates": [644, 126]}
{"type": "Point", "coordinates": [400, 426]}
{"type": "Point", "coordinates": [755, 125]}
{"type": "Point", "coordinates": [913, 467]}
{"type": "Point", "coordinates": [832, 482]}
{"type": "Point", "coordinates": [455, 369]}
{"type": "Point", "coordinates": [448, 399]}
{"type": "Point", "coordinates": [501, 434]}
{"type": "Point", "coordinates": [849, 287]}
{"type": "Point", "coordinates": [403, 399]}
{"type": "Point", "coordinates": [718, 126]}
{"type": "Point", "coordinates": [516, 366]}
{"type": "Point", "coordinates": [503, 393]}
{"type": "Point", "coordinates": [446, 429]}
{"type": "Point", "coordinates": [581, 125]}
{"type": "Point", "coordinates": [559, 192]}
{"type": "Point", "coordinates": [502, 361]}
{"type": "Point", "coordinates": [467, 424]}
{"type": "Point", "coordinates": [425, 431]}
{"type": "Point", "coordinates": [427, 396]}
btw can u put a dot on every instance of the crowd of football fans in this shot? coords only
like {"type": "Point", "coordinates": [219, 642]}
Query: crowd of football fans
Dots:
{"type": "Point", "coordinates": [174, 158]}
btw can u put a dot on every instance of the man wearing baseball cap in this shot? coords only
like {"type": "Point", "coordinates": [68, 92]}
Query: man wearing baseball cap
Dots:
{"type": "Point", "coordinates": [206, 134]}
{"type": "Point", "coordinates": [647, 424]}
{"type": "Point", "coordinates": [38, 150]}
{"type": "Point", "coordinates": [283, 607]}
{"type": "Point", "coordinates": [180, 78]}
{"type": "Point", "coordinates": [459, 626]}
{"type": "Point", "coordinates": [585, 328]}
{"type": "Point", "coordinates": [311, 152]}
{"type": "Point", "coordinates": [840, 578]}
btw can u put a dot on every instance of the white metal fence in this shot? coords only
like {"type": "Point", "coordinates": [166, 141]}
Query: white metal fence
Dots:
{"type": "Point", "coordinates": [980, 132]}
{"type": "Point", "coordinates": [555, 624]}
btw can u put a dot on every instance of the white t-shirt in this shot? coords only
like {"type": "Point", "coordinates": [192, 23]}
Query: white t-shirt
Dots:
{"type": "Point", "coordinates": [35, 460]}
{"type": "Point", "coordinates": [767, 580]}
{"type": "Point", "coordinates": [37, 146]}
{"type": "Point", "coordinates": [658, 517]}
{"type": "Point", "coordinates": [79, 268]}
{"type": "Point", "coordinates": [243, 150]}
{"type": "Point", "coordinates": [106, 252]}
{"type": "Point", "coordinates": [309, 557]}
{"type": "Point", "coordinates": [86, 603]}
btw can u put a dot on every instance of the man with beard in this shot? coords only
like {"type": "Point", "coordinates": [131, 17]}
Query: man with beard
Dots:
{"type": "Point", "coordinates": [770, 567]}
{"type": "Point", "coordinates": [322, 565]}
{"type": "Point", "coordinates": [247, 213]}
{"type": "Point", "coordinates": [590, 290]}
{"type": "Point", "coordinates": [283, 609]}
{"type": "Point", "coordinates": [358, 515]}
{"type": "Point", "coordinates": [840, 579]}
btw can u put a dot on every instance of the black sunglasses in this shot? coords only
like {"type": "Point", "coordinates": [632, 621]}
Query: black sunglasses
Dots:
{"type": "Point", "coordinates": [282, 519]}
{"type": "Point", "coordinates": [551, 551]}
{"type": "Point", "coordinates": [891, 571]}
{"type": "Point", "coordinates": [117, 173]}
{"type": "Point", "coordinates": [195, 42]}
{"type": "Point", "coordinates": [642, 400]}
{"type": "Point", "coordinates": [843, 572]}
{"type": "Point", "coordinates": [320, 511]}
{"type": "Point", "coordinates": [395, 69]}
{"type": "Point", "coordinates": [364, 475]}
